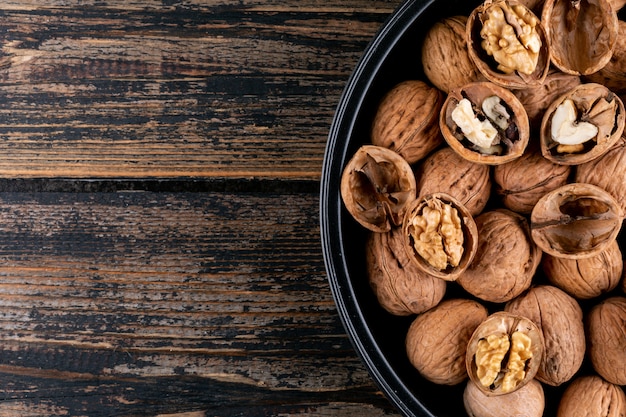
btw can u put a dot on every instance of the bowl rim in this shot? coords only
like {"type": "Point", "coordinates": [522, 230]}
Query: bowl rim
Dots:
{"type": "Point", "coordinates": [342, 126]}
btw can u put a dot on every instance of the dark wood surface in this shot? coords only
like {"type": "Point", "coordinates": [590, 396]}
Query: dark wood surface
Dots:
{"type": "Point", "coordinates": [160, 251]}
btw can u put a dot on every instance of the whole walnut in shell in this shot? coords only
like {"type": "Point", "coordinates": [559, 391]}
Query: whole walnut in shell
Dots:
{"type": "Point", "coordinates": [560, 319]}
{"type": "Point", "coordinates": [591, 396]}
{"type": "Point", "coordinates": [522, 182]}
{"type": "Point", "coordinates": [506, 258]}
{"type": "Point", "coordinates": [528, 401]}
{"type": "Point", "coordinates": [437, 339]}
{"type": "Point", "coordinates": [444, 55]}
{"type": "Point", "coordinates": [399, 285]}
{"type": "Point", "coordinates": [446, 171]}
{"type": "Point", "coordinates": [406, 120]}
{"type": "Point", "coordinates": [586, 278]}
{"type": "Point", "coordinates": [607, 339]}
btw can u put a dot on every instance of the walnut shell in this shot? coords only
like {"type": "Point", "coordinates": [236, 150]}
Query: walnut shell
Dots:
{"type": "Point", "coordinates": [406, 120]}
{"type": "Point", "coordinates": [522, 182]}
{"type": "Point", "coordinates": [446, 63]}
{"type": "Point", "coordinates": [377, 184]}
{"type": "Point", "coordinates": [591, 396]}
{"type": "Point", "coordinates": [485, 62]}
{"type": "Point", "coordinates": [528, 401]}
{"type": "Point", "coordinates": [536, 99]}
{"type": "Point", "coordinates": [586, 278]}
{"type": "Point", "coordinates": [582, 34]}
{"type": "Point", "coordinates": [437, 339]}
{"type": "Point", "coordinates": [509, 141]}
{"type": "Point", "coordinates": [576, 220]}
{"type": "Point", "coordinates": [504, 353]}
{"type": "Point", "coordinates": [613, 74]}
{"type": "Point", "coordinates": [607, 172]}
{"type": "Point", "coordinates": [506, 259]}
{"type": "Point", "coordinates": [440, 235]}
{"type": "Point", "coordinates": [607, 339]}
{"type": "Point", "coordinates": [560, 319]}
{"type": "Point", "coordinates": [592, 105]}
{"type": "Point", "coordinates": [400, 287]}
{"type": "Point", "coordinates": [446, 171]}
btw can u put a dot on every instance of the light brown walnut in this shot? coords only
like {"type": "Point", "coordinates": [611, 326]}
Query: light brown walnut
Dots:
{"type": "Point", "coordinates": [606, 333]}
{"type": "Point", "coordinates": [592, 396]}
{"type": "Point", "coordinates": [528, 401]}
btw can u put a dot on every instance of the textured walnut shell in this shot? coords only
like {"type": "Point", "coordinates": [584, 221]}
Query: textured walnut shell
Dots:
{"type": "Point", "coordinates": [560, 319]}
{"type": "Point", "coordinates": [406, 120]}
{"type": "Point", "coordinates": [400, 286]}
{"type": "Point", "coordinates": [537, 99]}
{"type": "Point", "coordinates": [591, 396]}
{"type": "Point", "coordinates": [437, 339]}
{"type": "Point", "coordinates": [607, 339]}
{"type": "Point", "coordinates": [446, 171]}
{"type": "Point", "coordinates": [376, 186]}
{"type": "Point", "coordinates": [487, 65]}
{"type": "Point", "coordinates": [518, 133]}
{"type": "Point", "coordinates": [586, 278]}
{"type": "Point", "coordinates": [522, 182]}
{"type": "Point", "coordinates": [607, 172]}
{"type": "Point", "coordinates": [576, 220]}
{"type": "Point", "coordinates": [468, 226]}
{"type": "Point", "coordinates": [504, 323]}
{"type": "Point", "coordinates": [582, 34]}
{"type": "Point", "coordinates": [506, 259]}
{"type": "Point", "coordinates": [610, 124]}
{"type": "Point", "coordinates": [445, 60]}
{"type": "Point", "coordinates": [528, 401]}
{"type": "Point", "coordinates": [613, 74]}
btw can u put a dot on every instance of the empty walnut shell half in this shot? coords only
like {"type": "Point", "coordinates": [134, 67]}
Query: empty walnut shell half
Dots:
{"type": "Point", "coordinates": [613, 74]}
{"type": "Point", "coordinates": [504, 353]}
{"type": "Point", "coordinates": [508, 44]}
{"type": "Point", "coordinates": [607, 339]}
{"type": "Point", "coordinates": [406, 120]}
{"type": "Point", "coordinates": [582, 124]}
{"type": "Point", "coordinates": [376, 186]}
{"type": "Point", "coordinates": [401, 288]}
{"type": "Point", "coordinates": [440, 235]}
{"type": "Point", "coordinates": [582, 34]}
{"type": "Point", "coordinates": [485, 123]}
{"type": "Point", "coordinates": [576, 220]}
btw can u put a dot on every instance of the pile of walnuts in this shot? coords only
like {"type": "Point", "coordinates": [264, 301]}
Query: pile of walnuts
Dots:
{"type": "Point", "coordinates": [503, 173]}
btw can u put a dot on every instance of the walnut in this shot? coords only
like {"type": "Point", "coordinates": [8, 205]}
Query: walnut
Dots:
{"type": "Point", "coordinates": [406, 120]}
{"type": "Point", "coordinates": [528, 401]}
{"type": "Point", "coordinates": [586, 278]}
{"type": "Point", "coordinates": [507, 42]}
{"type": "Point", "coordinates": [607, 339]}
{"type": "Point", "coordinates": [613, 74]}
{"type": "Point", "coordinates": [607, 172]}
{"type": "Point", "coordinates": [576, 220]}
{"type": "Point", "coordinates": [506, 258]}
{"type": "Point", "coordinates": [560, 320]}
{"type": "Point", "coordinates": [522, 182]}
{"type": "Point", "coordinates": [444, 55]}
{"type": "Point", "coordinates": [582, 34]}
{"type": "Point", "coordinates": [582, 124]}
{"type": "Point", "coordinates": [589, 396]}
{"type": "Point", "coordinates": [436, 341]}
{"type": "Point", "coordinates": [485, 123]}
{"type": "Point", "coordinates": [504, 353]}
{"type": "Point", "coordinates": [468, 182]}
{"type": "Point", "coordinates": [400, 286]}
{"type": "Point", "coordinates": [377, 184]}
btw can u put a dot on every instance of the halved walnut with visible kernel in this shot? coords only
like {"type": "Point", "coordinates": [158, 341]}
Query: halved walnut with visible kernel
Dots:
{"type": "Point", "coordinates": [485, 123]}
{"type": "Point", "coordinates": [440, 235]}
{"type": "Point", "coordinates": [504, 353]}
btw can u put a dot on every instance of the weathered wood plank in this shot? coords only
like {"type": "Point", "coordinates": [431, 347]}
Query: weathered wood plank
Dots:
{"type": "Point", "coordinates": [191, 89]}
{"type": "Point", "coordinates": [171, 302]}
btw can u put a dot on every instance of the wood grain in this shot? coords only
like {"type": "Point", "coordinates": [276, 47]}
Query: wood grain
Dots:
{"type": "Point", "coordinates": [169, 303]}
{"type": "Point", "coordinates": [175, 89]}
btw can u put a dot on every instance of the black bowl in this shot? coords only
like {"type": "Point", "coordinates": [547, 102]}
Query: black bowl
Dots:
{"type": "Point", "coordinates": [393, 55]}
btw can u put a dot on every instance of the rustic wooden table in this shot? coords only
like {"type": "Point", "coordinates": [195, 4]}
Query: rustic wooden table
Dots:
{"type": "Point", "coordinates": [159, 192]}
